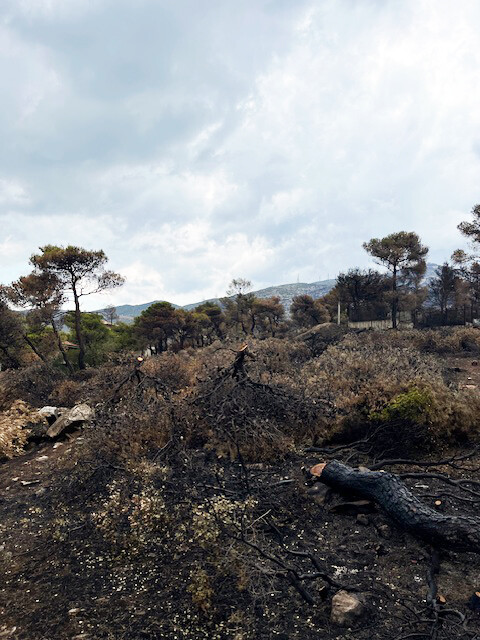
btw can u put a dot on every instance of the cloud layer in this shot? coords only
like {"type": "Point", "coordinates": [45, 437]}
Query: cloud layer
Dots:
{"type": "Point", "coordinates": [202, 140]}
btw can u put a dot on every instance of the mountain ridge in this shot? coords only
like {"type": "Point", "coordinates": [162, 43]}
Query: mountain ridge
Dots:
{"type": "Point", "coordinates": [286, 292]}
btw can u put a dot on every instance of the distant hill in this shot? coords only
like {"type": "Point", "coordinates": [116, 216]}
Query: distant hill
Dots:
{"type": "Point", "coordinates": [128, 312]}
{"type": "Point", "coordinates": [286, 292]}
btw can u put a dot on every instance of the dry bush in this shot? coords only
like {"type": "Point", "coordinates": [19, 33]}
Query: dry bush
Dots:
{"type": "Point", "coordinates": [361, 374]}
{"type": "Point", "coordinates": [67, 393]}
{"type": "Point", "coordinates": [394, 395]}
{"type": "Point", "coordinates": [14, 428]}
{"type": "Point", "coordinates": [252, 413]}
{"type": "Point", "coordinates": [32, 384]}
{"type": "Point", "coordinates": [443, 340]}
{"type": "Point", "coordinates": [174, 370]}
{"type": "Point", "coordinates": [318, 338]}
{"type": "Point", "coordinates": [275, 356]}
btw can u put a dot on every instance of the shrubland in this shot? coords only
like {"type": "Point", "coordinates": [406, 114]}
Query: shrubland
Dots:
{"type": "Point", "coordinates": [183, 502]}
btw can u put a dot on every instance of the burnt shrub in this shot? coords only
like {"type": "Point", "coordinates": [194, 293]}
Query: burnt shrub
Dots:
{"type": "Point", "coordinates": [33, 384]}
{"type": "Point", "coordinates": [394, 396]}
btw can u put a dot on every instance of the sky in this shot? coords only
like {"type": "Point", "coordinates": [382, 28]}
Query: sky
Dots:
{"type": "Point", "coordinates": [195, 141]}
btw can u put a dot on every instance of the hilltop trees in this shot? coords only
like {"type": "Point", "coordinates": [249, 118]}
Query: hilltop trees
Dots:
{"type": "Point", "coordinates": [468, 265]}
{"type": "Point", "coordinates": [269, 313]}
{"type": "Point", "coordinates": [110, 314]}
{"type": "Point", "coordinates": [443, 289]}
{"type": "Point", "coordinates": [239, 306]}
{"type": "Point", "coordinates": [79, 273]}
{"type": "Point", "coordinates": [98, 337]}
{"type": "Point", "coordinates": [215, 317]}
{"type": "Point", "coordinates": [156, 325]}
{"type": "Point", "coordinates": [403, 255]}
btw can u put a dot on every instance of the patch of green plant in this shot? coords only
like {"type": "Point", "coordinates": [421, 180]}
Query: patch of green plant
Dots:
{"type": "Point", "coordinates": [414, 406]}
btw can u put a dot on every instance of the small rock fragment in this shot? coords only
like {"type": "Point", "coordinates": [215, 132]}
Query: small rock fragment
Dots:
{"type": "Point", "coordinates": [385, 531]}
{"type": "Point", "coordinates": [362, 518]}
{"type": "Point", "coordinates": [319, 493]}
{"type": "Point", "coordinates": [27, 483]}
{"type": "Point", "coordinates": [346, 608]}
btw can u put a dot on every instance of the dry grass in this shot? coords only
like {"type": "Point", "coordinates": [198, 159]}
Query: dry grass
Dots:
{"type": "Point", "coordinates": [14, 428]}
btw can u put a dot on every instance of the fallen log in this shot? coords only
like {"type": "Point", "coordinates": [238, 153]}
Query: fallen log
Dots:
{"type": "Point", "coordinates": [458, 533]}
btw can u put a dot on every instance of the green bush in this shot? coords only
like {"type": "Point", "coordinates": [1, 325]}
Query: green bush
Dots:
{"type": "Point", "coordinates": [413, 406]}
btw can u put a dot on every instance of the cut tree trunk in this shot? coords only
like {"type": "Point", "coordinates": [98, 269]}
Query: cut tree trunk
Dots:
{"type": "Point", "coordinates": [459, 533]}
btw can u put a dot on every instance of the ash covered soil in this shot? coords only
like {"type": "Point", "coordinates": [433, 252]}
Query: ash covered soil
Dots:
{"type": "Point", "coordinates": [167, 535]}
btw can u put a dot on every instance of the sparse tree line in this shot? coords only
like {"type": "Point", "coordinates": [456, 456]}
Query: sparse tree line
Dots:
{"type": "Point", "coordinates": [74, 339]}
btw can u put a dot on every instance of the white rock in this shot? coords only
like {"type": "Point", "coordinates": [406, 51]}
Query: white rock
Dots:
{"type": "Point", "coordinates": [346, 608]}
{"type": "Point", "coordinates": [79, 413]}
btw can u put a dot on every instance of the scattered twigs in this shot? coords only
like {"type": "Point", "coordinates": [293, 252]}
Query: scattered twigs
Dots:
{"type": "Point", "coordinates": [460, 483]}
{"type": "Point", "coordinates": [450, 461]}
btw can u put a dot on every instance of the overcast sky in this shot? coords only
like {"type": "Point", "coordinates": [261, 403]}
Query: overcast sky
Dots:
{"type": "Point", "coordinates": [200, 140]}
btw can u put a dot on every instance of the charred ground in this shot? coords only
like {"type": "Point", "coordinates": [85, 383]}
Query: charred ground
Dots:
{"type": "Point", "coordinates": [183, 510]}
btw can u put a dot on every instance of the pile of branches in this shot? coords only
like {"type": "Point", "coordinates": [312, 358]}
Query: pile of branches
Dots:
{"type": "Point", "coordinates": [253, 419]}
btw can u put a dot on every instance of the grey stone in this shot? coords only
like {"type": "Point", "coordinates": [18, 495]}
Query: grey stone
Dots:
{"type": "Point", "coordinates": [79, 414]}
{"type": "Point", "coordinates": [346, 608]}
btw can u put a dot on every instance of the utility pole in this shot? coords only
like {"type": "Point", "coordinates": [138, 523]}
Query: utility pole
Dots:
{"type": "Point", "coordinates": [338, 313]}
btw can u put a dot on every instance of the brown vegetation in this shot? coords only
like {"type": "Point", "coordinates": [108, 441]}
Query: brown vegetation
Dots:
{"type": "Point", "coordinates": [182, 512]}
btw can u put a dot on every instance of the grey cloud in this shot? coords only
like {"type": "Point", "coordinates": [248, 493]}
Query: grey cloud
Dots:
{"type": "Point", "coordinates": [204, 139]}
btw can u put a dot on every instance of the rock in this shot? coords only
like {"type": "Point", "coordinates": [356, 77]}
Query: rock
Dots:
{"type": "Point", "coordinates": [385, 531]}
{"type": "Point", "coordinates": [79, 414]}
{"type": "Point", "coordinates": [51, 413]}
{"type": "Point", "coordinates": [362, 518]}
{"type": "Point", "coordinates": [319, 493]}
{"type": "Point", "coordinates": [346, 608]}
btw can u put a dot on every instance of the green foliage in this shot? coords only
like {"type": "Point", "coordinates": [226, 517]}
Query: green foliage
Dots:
{"type": "Point", "coordinates": [307, 312]}
{"type": "Point", "coordinates": [364, 292]}
{"type": "Point", "coordinates": [156, 325]}
{"type": "Point", "coordinates": [11, 337]}
{"type": "Point", "coordinates": [414, 406]}
{"type": "Point", "coordinates": [99, 339]}
{"type": "Point", "coordinates": [77, 271]}
{"type": "Point", "coordinates": [403, 255]}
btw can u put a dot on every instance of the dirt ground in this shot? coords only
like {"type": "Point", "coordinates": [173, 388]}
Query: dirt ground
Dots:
{"type": "Point", "coordinates": [58, 582]}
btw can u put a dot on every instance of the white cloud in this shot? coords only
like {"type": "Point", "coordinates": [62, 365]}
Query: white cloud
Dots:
{"type": "Point", "coordinates": [196, 142]}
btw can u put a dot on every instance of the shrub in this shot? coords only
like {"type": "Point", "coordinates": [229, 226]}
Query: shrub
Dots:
{"type": "Point", "coordinates": [33, 384]}
{"type": "Point", "coordinates": [393, 394]}
{"type": "Point", "coordinates": [67, 393]}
